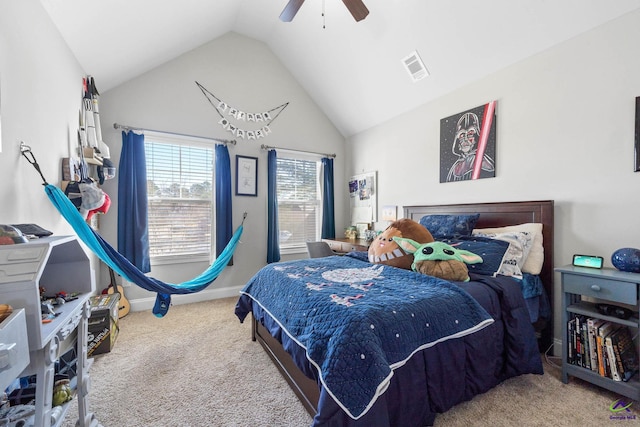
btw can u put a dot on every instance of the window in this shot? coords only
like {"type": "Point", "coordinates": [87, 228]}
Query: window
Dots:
{"type": "Point", "coordinates": [299, 202]}
{"type": "Point", "coordinates": [180, 196]}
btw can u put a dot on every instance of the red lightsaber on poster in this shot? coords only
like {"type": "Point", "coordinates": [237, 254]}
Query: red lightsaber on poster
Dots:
{"type": "Point", "coordinates": [487, 118]}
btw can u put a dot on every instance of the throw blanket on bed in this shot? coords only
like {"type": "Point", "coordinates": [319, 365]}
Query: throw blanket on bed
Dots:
{"type": "Point", "coordinates": [359, 321]}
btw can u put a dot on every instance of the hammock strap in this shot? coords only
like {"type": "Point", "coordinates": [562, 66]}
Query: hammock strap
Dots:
{"type": "Point", "coordinates": [25, 150]}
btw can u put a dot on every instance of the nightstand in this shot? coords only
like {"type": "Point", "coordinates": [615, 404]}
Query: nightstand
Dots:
{"type": "Point", "coordinates": [582, 288]}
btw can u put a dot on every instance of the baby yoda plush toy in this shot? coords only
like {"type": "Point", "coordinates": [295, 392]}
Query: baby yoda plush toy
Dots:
{"type": "Point", "coordinates": [439, 259]}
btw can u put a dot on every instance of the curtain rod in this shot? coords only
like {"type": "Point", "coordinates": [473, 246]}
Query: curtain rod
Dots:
{"type": "Point", "coordinates": [268, 147]}
{"type": "Point", "coordinates": [125, 127]}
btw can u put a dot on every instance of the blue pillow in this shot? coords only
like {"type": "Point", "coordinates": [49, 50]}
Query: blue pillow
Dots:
{"type": "Point", "coordinates": [450, 225]}
{"type": "Point", "coordinates": [492, 252]}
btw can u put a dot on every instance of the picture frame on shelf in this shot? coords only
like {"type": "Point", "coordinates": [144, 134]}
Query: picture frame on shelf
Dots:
{"type": "Point", "coordinates": [361, 229]}
{"type": "Point", "coordinates": [246, 176]}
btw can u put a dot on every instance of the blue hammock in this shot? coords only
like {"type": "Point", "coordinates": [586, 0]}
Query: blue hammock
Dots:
{"type": "Point", "coordinates": [125, 268]}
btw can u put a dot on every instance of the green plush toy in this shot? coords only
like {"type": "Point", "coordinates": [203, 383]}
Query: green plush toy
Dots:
{"type": "Point", "coordinates": [439, 259]}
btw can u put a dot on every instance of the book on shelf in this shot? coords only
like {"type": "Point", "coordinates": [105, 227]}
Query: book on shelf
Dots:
{"type": "Point", "coordinates": [586, 348]}
{"type": "Point", "coordinates": [625, 354]}
{"type": "Point", "coordinates": [613, 362]}
{"type": "Point", "coordinates": [571, 345]}
{"type": "Point", "coordinates": [603, 331]}
{"type": "Point", "coordinates": [592, 328]}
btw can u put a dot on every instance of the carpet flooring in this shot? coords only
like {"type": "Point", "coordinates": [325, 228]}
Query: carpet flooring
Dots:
{"type": "Point", "coordinates": [197, 366]}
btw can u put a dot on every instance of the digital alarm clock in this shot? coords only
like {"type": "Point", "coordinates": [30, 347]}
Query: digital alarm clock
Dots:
{"type": "Point", "coordinates": [590, 261]}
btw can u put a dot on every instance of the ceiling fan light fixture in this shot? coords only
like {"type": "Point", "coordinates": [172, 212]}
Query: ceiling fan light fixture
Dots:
{"type": "Point", "coordinates": [414, 66]}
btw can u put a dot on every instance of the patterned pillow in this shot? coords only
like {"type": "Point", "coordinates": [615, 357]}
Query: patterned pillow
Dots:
{"type": "Point", "coordinates": [492, 252]}
{"type": "Point", "coordinates": [449, 225]}
{"type": "Point", "coordinates": [520, 244]}
{"type": "Point", "coordinates": [535, 259]}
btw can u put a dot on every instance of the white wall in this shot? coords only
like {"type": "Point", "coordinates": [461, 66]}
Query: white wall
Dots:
{"type": "Point", "coordinates": [40, 96]}
{"type": "Point", "coordinates": [244, 73]}
{"type": "Point", "coordinates": [565, 131]}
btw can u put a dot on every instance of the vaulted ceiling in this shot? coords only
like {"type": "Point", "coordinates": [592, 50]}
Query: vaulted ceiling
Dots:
{"type": "Point", "coordinates": [353, 70]}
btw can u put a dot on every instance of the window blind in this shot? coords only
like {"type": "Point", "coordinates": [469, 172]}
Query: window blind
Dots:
{"type": "Point", "coordinates": [180, 193]}
{"type": "Point", "coordinates": [298, 201]}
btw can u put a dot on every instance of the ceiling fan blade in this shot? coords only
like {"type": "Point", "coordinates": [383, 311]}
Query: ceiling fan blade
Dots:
{"type": "Point", "coordinates": [357, 9]}
{"type": "Point", "coordinates": [290, 10]}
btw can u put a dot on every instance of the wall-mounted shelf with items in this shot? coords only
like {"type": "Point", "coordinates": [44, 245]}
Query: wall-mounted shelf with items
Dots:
{"type": "Point", "coordinates": [50, 266]}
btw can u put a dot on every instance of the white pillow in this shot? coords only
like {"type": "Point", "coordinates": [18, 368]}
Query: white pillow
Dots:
{"type": "Point", "coordinates": [533, 263]}
{"type": "Point", "coordinates": [520, 243]}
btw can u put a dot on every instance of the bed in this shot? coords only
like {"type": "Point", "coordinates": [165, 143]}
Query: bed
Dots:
{"type": "Point", "coordinates": [487, 337]}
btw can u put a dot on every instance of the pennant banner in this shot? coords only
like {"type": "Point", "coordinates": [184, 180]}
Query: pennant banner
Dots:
{"type": "Point", "coordinates": [230, 116]}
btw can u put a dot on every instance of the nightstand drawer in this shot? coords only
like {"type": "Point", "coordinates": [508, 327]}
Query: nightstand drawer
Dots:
{"type": "Point", "coordinates": [596, 287]}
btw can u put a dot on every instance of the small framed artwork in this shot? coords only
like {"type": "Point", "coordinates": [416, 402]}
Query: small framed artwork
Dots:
{"type": "Point", "coordinates": [246, 176]}
{"type": "Point", "coordinates": [637, 144]}
{"type": "Point", "coordinates": [389, 212]}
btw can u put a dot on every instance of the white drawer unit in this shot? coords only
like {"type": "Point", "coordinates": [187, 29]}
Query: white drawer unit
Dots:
{"type": "Point", "coordinates": [14, 350]}
{"type": "Point", "coordinates": [54, 264]}
{"type": "Point", "coordinates": [47, 267]}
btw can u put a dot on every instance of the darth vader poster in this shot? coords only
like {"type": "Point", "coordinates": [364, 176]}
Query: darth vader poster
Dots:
{"type": "Point", "coordinates": [468, 144]}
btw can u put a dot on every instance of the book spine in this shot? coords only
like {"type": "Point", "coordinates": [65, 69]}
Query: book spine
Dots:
{"type": "Point", "coordinates": [586, 358]}
{"type": "Point", "coordinates": [615, 342]}
{"type": "Point", "coordinates": [600, 347]}
{"type": "Point", "coordinates": [593, 352]}
{"type": "Point", "coordinates": [628, 354]}
{"type": "Point", "coordinates": [571, 345]}
{"type": "Point", "coordinates": [613, 368]}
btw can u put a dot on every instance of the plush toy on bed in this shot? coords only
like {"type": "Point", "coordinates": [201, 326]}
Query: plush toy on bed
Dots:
{"type": "Point", "coordinates": [383, 250]}
{"type": "Point", "coordinates": [439, 259]}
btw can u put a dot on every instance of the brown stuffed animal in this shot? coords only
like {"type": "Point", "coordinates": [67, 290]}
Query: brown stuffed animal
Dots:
{"type": "Point", "coordinates": [450, 269]}
{"type": "Point", "coordinates": [384, 250]}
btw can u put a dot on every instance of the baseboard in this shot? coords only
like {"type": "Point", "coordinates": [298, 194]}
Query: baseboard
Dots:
{"type": "Point", "coordinates": [142, 304]}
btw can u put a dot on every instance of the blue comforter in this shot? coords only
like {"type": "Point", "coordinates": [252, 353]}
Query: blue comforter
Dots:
{"type": "Point", "coordinates": [358, 322]}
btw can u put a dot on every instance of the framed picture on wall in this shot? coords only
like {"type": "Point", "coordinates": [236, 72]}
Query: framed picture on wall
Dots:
{"type": "Point", "coordinates": [468, 144]}
{"type": "Point", "coordinates": [246, 176]}
{"type": "Point", "coordinates": [637, 144]}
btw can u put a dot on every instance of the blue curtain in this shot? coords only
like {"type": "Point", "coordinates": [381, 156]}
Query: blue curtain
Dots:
{"type": "Point", "coordinates": [224, 217]}
{"type": "Point", "coordinates": [273, 230]}
{"type": "Point", "coordinates": [328, 214]}
{"type": "Point", "coordinates": [133, 229]}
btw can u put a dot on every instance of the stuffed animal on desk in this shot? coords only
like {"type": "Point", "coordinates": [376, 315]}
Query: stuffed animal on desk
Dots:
{"type": "Point", "coordinates": [439, 259]}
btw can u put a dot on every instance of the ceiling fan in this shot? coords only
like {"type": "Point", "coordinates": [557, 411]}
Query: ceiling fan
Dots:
{"type": "Point", "coordinates": [356, 7]}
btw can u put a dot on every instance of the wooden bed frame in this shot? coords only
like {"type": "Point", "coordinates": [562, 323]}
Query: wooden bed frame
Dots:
{"type": "Point", "coordinates": [491, 215]}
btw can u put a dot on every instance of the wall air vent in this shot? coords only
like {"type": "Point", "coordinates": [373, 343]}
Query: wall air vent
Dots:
{"type": "Point", "coordinates": [415, 67]}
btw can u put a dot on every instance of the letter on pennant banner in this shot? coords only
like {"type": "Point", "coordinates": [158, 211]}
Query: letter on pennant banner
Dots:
{"type": "Point", "coordinates": [233, 129]}
{"type": "Point", "coordinates": [233, 112]}
{"type": "Point", "coordinates": [259, 134]}
{"type": "Point", "coordinates": [259, 117]}
{"type": "Point", "coordinates": [266, 116]}
{"type": "Point", "coordinates": [222, 106]}
{"type": "Point", "coordinates": [224, 123]}
{"type": "Point", "coordinates": [266, 130]}
{"type": "Point", "coordinates": [240, 133]}
{"type": "Point", "coordinates": [241, 115]}
{"type": "Point", "coordinates": [251, 134]}
{"type": "Point", "coordinates": [251, 117]}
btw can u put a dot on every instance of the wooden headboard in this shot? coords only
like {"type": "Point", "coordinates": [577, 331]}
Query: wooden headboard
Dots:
{"type": "Point", "coordinates": [508, 213]}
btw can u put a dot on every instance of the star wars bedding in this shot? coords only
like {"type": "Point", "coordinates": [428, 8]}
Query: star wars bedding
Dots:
{"type": "Point", "coordinates": [389, 346]}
